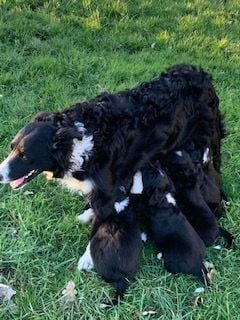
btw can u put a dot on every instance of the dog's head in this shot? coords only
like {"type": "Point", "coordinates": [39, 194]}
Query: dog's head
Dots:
{"type": "Point", "coordinates": [182, 169]}
{"type": "Point", "coordinates": [44, 146]}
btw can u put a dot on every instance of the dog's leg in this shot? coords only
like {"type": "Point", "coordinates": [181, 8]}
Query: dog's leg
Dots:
{"type": "Point", "coordinates": [86, 216]}
{"type": "Point", "coordinates": [86, 261]}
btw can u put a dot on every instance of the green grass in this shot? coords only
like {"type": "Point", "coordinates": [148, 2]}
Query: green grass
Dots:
{"type": "Point", "coordinates": [54, 53]}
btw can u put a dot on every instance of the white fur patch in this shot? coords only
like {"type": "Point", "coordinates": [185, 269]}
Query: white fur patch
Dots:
{"type": "Point", "coordinates": [159, 256]}
{"type": "Point", "coordinates": [137, 186]}
{"type": "Point", "coordinates": [206, 157]}
{"type": "Point", "coordinates": [86, 261]}
{"type": "Point", "coordinates": [86, 216]}
{"type": "Point", "coordinates": [81, 148]}
{"type": "Point", "coordinates": [120, 206]}
{"type": "Point", "coordinates": [143, 236]}
{"type": "Point", "coordinates": [170, 199]}
{"type": "Point", "coordinates": [4, 170]}
{"type": "Point", "coordinates": [218, 247]}
{"type": "Point", "coordinates": [178, 153]}
{"type": "Point", "coordinates": [79, 126]}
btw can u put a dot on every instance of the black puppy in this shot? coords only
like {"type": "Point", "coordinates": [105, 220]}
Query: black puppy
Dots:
{"type": "Point", "coordinates": [210, 188]}
{"type": "Point", "coordinates": [181, 247]}
{"type": "Point", "coordinates": [116, 245]}
{"type": "Point", "coordinates": [189, 180]}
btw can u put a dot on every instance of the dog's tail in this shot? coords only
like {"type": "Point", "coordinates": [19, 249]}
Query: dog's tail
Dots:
{"type": "Point", "coordinates": [227, 236]}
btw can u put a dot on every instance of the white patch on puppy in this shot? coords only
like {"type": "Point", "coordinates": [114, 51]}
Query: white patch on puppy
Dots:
{"type": "Point", "coordinates": [86, 216]}
{"type": "Point", "coordinates": [178, 153]}
{"type": "Point", "coordinates": [159, 256]}
{"type": "Point", "coordinates": [170, 199]}
{"type": "Point", "coordinates": [86, 261]}
{"type": "Point", "coordinates": [120, 206]}
{"type": "Point", "coordinates": [143, 236]}
{"type": "Point", "coordinates": [206, 157]}
{"type": "Point", "coordinates": [137, 186]}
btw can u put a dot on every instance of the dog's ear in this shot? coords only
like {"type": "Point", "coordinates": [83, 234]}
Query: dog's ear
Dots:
{"type": "Point", "coordinates": [57, 118]}
{"type": "Point", "coordinates": [61, 148]}
{"type": "Point", "coordinates": [43, 116]}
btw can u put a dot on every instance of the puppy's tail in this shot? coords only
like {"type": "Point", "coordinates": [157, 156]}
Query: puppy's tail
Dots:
{"type": "Point", "coordinates": [227, 236]}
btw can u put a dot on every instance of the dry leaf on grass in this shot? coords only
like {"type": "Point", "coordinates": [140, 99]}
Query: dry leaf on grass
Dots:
{"type": "Point", "coordinates": [69, 293]}
{"type": "Point", "coordinates": [6, 294]}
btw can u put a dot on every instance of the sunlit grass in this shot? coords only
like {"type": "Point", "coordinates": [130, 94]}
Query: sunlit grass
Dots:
{"type": "Point", "coordinates": [54, 53]}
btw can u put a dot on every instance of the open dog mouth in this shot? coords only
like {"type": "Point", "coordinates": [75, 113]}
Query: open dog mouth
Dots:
{"type": "Point", "coordinates": [20, 182]}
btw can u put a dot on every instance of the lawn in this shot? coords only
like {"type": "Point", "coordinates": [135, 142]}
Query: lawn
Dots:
{"type": "Point", "coordinates": [54, 53]}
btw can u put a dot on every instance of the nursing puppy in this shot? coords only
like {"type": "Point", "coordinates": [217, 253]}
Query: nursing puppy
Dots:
{"type": "Point", "coordinates": [188, 179]}
{"type": "Point", "coordinates": [115, 246]}
{"type": "Point", "coordinates": [210, 188]}
{"type": "Point", "coordinates": [181, 247]}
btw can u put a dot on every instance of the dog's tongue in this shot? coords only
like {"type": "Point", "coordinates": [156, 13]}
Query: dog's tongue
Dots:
{"type": "Point", "coordinates": [15, 183]}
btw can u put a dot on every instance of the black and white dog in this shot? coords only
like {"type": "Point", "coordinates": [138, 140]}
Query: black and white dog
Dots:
{"type": "Point", "coordinates": [97, 146]}
{"type": "Point", "coordinates": [101, 143]}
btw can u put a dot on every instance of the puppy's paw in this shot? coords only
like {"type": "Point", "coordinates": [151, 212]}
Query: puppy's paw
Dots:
{"type": "Point", "coordinates": [86, 216]}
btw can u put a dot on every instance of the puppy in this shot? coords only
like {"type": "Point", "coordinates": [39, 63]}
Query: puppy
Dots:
{"type": "Point", "coordinates": [181, 247]}
{"type": "Point", "coordinates": [116, 245]}
{"type": "Point", "coordinates": [189, 179]}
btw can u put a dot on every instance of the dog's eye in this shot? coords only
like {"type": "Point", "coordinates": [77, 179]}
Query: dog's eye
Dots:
{"type": "Point", "coordinates": [23, 156]}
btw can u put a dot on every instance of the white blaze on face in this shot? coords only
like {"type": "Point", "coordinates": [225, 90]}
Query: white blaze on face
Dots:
{"type": "Point", "coordinates": [170, 199]}
{"type": "Point", "coordinates": [137, 186]}
{"type": "Point", "coordinates": [4, 170]}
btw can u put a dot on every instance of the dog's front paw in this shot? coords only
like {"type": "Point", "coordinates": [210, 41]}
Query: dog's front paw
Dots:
{"type": "Point", "coordinates": [86, 216]}
{"type": "Point", "coordinates": [86, 261]}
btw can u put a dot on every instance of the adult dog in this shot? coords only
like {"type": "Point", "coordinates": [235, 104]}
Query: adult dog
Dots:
{"type": "Point", "coordinates": [101, 143]}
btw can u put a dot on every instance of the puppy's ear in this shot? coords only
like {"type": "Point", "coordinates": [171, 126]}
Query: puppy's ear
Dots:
{"type": "Point", "coordinates": [61, 148]}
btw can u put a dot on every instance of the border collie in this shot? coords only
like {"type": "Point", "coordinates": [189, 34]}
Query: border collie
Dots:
{"type": "Point", "coordinates": [103, 142]}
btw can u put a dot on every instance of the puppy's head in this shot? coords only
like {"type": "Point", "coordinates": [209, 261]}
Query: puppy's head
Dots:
{"type": "Point", "coordinates": [43, 146]}
{"type": "Point", "coordinates": [181, 168]}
